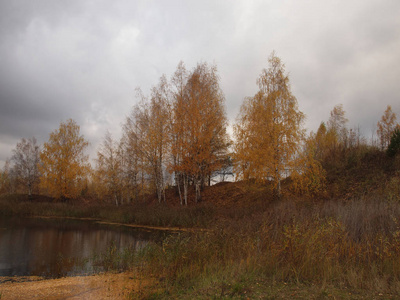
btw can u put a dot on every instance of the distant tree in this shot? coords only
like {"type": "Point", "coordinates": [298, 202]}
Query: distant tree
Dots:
{"type": "Point", "coordinates": [269, 129]}
{"type": "Point", "coordinates": [108, 171]}
{"type": "Point", "coordinates": [64, 165]}
{"type": "Point", "coordinates": [147, 135]}
{"type": "Point", "coordinates": [6, 178]}
{"type": "Point", "coordinates": [386, 127]}
{"type": "Point", "coordinates": [337, 133]}
{"type": "Point", "coordinates": [226, 169]}
{"type": "Point", "coordinates": [394, 145]}
{"type": "Point", "coordinates": [26, 158]}
{"type": "Point", "coordinates": [310, 177]}
{"type": "Point", "coordinates": [132, 159]}
{"type": "Point", "coordinates": [321, 142]}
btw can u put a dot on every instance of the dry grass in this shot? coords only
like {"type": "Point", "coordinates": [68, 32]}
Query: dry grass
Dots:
{"type": "Point", "coordinates": [346, 246]}
{"type": "Point", "coordinates": [351, 245]}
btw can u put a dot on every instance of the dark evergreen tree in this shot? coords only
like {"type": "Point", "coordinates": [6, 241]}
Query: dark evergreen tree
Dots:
{"type": "Point", "coordinates": [394, 145]}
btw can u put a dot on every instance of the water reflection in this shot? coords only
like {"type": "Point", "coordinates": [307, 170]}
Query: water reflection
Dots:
{"type": "Point", "coordinates": [60, 247]}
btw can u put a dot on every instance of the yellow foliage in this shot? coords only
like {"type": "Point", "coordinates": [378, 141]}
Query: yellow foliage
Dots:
{"type": "Point", "coordinates": [199, 137]}
{"type": "Point", "coordinates": [64, 165]}
{"type": "Point", "coordinates": [268, 132]}
{"type": "Point", "coordinates": [309, 179]}
{"type": "Point", "coordinates": [386, 127]}
{"type": "Point", "coordinates": [108, 174]}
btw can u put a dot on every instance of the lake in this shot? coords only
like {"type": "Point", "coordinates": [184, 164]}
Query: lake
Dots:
{"type": "Point", "coordinates": [54, 247]}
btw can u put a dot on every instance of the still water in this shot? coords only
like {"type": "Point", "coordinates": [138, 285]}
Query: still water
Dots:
{"type": "Point", "coordinates": [62, 247]}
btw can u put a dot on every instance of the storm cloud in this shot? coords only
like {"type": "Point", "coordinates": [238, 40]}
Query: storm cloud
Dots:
{"type": "Point", "coordinates": [83, 59]}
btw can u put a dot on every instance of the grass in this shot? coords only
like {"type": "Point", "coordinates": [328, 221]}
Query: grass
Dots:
{"type": "Point", "coordinates": [161, 215]}
{"type": "Point", "coordinates": [258, 248]}
{"type": "Point", "coordinates": [311, 251]}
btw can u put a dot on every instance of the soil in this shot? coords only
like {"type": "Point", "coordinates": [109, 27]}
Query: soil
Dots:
{"type": "Point", "coordinates": [100, 286]}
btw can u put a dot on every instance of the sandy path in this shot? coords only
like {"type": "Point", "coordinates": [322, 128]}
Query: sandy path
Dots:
{"type": "Point", "coordinates": [104, 286]}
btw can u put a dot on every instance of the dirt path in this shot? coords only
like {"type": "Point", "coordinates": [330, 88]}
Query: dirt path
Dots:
{"type": "Point", "coordinates": [103, 286]}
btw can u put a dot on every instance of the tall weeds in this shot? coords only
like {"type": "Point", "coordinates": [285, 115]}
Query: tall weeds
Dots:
{"type": "Point", "coordinates": [349, 245]}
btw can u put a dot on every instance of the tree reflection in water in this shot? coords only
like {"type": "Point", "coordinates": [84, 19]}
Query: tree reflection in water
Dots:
{"type": "Point", "coordinates": [64, 247]}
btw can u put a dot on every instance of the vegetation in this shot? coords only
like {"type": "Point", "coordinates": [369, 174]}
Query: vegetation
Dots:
{"type": "Point", "coordinates": [26, 158]}
{"type": "Point", "coordinates": [311, 216]}
{"type": "Point", "coordinates": [268, 133]}
{"type": "Point", "coordinates": [394, 145]}
{"type": "Point", "coordinates": [199, 128]}
{"type": "Point", "coordinates": [386, 127]}
{"type": "Point", "coordinates": [347, 246]}
{"type": "Point", "coordinates": [63, 163]}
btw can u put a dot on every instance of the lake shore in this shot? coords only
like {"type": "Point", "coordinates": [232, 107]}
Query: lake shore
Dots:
{"type": "Point", "coordinates": [100, 286]}
{"type": "Point", "coordinates": [138, 226]}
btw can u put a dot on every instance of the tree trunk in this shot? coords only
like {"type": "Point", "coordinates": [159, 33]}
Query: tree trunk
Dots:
{"type": "Point", "coordinates": [185, 188]}
{"type": "Point", "coordinates": [198, 190]}
{"type": "Point", "coordinates": [178, 183]}
{"type": "Point", "coordinates": [277, 188]}
{"type": "Point", "coordinates": [116, 199]}
{"type": "Point", "coordinates": [29, 191]}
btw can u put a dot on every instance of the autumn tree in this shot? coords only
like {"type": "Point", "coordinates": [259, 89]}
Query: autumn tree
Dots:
{"type": "Point", "coordinates": [178, 85]}
{"type": "Point", "coordinates": [394, 145]}
{"type": "Point", "coordinates": [132, 160]}
{"type": "Point", "coordinates": [321, 142]}
{"type": "Point", "coordinates": [309, 178]}
{"type": "Point", "coordinates": [26, 158]}
{"type": "Point", "coordinates": [157, 139]}
{"type": "Point", "coordinates": [147, 131]}
{"type": "Point", "coordinates": [6, 178]}
{"type": "Point", "coordinates": [200, 140]}
{"type": "Point", "coordinates": [269, 130]}
{"type": "Point", "coordinates": [108, 173]}
{"type": "Point", "coordinates": [386, 127]}
{"type": "Point", "coordinates": [337, 133]}
{"type": "Point", "coordinates": [64, 164]}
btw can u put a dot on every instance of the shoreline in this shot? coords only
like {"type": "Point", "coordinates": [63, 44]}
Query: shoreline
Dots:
{"type": "Point", "coordinates": [97, 286]}
{"type": "Point", "coordinates": [105, 222]}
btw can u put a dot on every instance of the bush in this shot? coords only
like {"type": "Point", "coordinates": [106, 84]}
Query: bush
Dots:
{"type": "Point", "coordinates": [394, 145]}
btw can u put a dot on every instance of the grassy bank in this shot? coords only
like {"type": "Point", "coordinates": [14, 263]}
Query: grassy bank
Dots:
{"type": "Point", "coordinates": [344, 248]}
{"type": "Point", "coordinates": [255, 247]}
{"type": "Point", "coordinates": [142, 213]}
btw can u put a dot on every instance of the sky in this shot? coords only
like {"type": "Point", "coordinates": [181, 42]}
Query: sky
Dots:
{"type": "Point", "coordinates": [83, 59]}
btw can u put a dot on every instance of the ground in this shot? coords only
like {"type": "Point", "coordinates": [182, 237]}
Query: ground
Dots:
{"type": "Point", "coordinates": [101, 286]}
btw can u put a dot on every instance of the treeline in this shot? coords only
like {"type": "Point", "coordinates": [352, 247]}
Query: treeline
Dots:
{"type": "Point", "coordinates": [177, 136]}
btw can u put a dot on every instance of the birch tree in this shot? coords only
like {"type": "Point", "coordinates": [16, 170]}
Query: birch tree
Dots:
{"type": "Point", "coordinates": [132, 161]}
{"type": "Point", "coordinates": [26, 158]}
{"type": "Point", "coordinates": [147, 131]}
{"type": "Point", "coordinates": [386, 127]}
{"type": "Point", "coordinates": [178, 84]}
{"type": "Point", "coordinates": [199, 128]}
{"type": "Point", "coordinates": [269, 129]}
{"type": "Point", "coordinates": [109, 169]}
{"type": "Point", "coordinates": [337, 134]}
{"type": "Point", "coordinates": [64, 165]}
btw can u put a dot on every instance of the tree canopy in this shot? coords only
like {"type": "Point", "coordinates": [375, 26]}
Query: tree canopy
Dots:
{"type": "Point", "coordinates": [386, 127]}
{"type": "Point", "coordinates": [269, 129]}
{"type": "Point", "coordinates": [64, 163]}
{"type": "Point", "coordinates": [26, 158]}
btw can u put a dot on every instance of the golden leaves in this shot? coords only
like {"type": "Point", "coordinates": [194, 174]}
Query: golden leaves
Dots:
{"type": "Point", "coordinates": [64, 165]}
{"type": "Point", "coordinates": [269, 128]}
{"type": "Point", "coordinates": [386, 127]}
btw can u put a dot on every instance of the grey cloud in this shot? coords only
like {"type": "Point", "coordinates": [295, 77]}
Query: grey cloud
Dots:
{"type": "Point", "coordinates": [83, 59]}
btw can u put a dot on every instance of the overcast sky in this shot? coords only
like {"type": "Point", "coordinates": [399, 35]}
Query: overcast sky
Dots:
{"type": "Point", "coordinates": [83, 59]}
